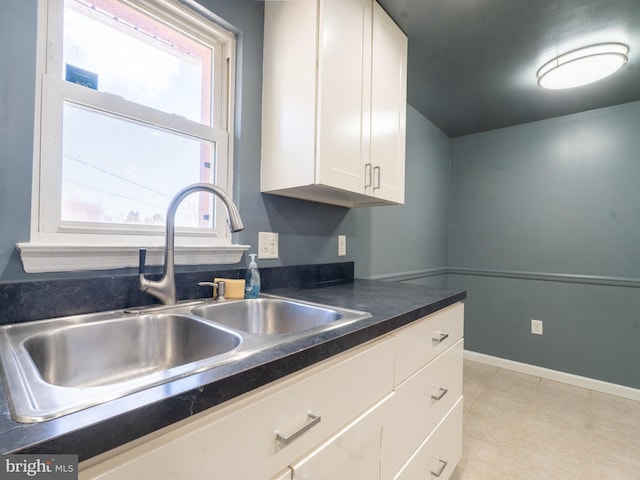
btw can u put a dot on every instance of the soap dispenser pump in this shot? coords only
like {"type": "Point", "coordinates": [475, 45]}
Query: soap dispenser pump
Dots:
{"type": "Point", "coordinates": [252, 279]}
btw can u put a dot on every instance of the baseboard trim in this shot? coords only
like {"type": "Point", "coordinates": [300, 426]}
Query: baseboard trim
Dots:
{"type": "Point", "coordinates": [569, 378]}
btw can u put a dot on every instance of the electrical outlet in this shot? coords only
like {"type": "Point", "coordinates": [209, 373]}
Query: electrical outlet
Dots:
{"type": "Point", "coordinates": [342, 245]}
{"type": "Point", "coordinates": [267, 245]}
{"type": "Point", "coordinates": [536, 327]}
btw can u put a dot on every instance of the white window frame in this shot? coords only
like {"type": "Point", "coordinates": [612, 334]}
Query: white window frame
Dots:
{"type": "Point", "coordinates": [55, 246]}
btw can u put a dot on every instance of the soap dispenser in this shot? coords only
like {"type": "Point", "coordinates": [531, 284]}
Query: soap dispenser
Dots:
{"type": "Point", "coordinates": [252, 279]}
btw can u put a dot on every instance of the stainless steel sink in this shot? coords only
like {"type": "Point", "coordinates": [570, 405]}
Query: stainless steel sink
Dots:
{"type": "Point", "coordinates": [59, 366]}
{"type": "Point", "coordinates": [54, 367]}
{"type": "Point", "coordinates": [269, 316]}
{"type": "Point", "coordinates": [109, 352]}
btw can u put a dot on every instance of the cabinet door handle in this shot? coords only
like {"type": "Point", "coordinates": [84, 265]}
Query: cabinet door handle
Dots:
{"type": "Point", "coordinates": [368, 179]}
{"type": "Point", "coordinates": [376, 177]}
{"type": "Point", "coordinates": [441, 392]}
{"type": "Point", "coordinates": [442, 464]}
{"type": "Point", "coordinates": [313, 420]}
{"type": "Point", "coordinates": [440, 337]}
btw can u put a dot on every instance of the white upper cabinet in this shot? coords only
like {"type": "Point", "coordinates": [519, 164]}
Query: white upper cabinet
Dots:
{"type": "Point", "coordinates": [334, 102]}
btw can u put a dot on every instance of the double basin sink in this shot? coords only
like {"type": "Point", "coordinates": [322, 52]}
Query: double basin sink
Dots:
{"type": "Point", "coordinates": [55, 367]}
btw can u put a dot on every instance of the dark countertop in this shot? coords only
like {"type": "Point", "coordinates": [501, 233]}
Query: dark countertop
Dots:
{"type": "Point", "coordinates": [101, 428]}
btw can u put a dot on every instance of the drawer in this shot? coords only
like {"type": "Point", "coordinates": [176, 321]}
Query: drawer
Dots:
{"type": "Point", "coordinates": [422, 341]}
{"type": "Point", "coordinates": [239, 441]}
{"type": "Point", "coordinates": [419, 404]}
{"type": "Point", "coordinates": [438, 455]}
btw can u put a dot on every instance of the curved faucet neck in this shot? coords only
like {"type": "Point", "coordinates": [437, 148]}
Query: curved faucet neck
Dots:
{"type": "Point", "coordinates": [165, 288]}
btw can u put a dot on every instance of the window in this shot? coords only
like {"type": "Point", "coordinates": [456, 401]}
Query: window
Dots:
{"type": "Point", "coordinates": [135, 102]}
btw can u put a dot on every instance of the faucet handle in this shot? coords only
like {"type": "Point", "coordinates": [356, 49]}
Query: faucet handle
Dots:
{"type": "Point", "coordinates": [142, 260]}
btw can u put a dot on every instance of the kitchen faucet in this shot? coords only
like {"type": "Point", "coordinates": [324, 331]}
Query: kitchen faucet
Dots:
{"type": "Point", "coordinates": [165, 288]}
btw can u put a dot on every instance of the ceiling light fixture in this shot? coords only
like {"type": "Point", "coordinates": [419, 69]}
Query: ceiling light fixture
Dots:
{"type": "Point", "coordinates": [582, 66]}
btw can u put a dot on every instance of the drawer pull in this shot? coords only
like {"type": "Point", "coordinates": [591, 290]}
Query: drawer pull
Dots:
{"type": "Point", "coordinates": [440, 337]}
{"type": "Point", "coordinates": [441, 393]}
{"type": "Point", "coordinates": [313, 420]}
{"type": "Point", "coordinates": [442, 465]}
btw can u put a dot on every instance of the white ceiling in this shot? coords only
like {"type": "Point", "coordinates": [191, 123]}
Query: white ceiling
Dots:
{"type": "Point", "coordinates": [473, 63]}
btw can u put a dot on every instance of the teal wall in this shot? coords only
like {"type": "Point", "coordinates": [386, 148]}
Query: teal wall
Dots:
{"type": "Point", "coordinates": [545, 224]}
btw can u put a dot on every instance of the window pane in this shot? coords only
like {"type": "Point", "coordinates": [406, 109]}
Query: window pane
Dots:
{"type": "Point", "coordinates": [114, 48]}
{"type": "Point", "coordinates": [121, 172]}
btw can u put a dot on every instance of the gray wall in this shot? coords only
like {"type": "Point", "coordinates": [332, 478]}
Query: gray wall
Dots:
{"type": "Point", "coordinates": [544, 224]}
{"type": "Point", "coordinates": [17, 87]}
{"type": "Point", "coordinates": [413, 236]}
{"type": "Point", "coordinates": [308, 231]}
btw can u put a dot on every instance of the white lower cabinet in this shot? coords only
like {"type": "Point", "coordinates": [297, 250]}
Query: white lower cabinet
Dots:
{"type": "Point", "coordinates": [371, 412]}
{"type": "Point", "coordinates": [258, 436]}
{"type": "Point", "coordinates": [419, 404]}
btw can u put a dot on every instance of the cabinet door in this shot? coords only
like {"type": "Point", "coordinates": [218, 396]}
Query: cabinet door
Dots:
{"type": "Point", "coordinates": [344, 93]}
{"type": "Point", "coordinates": [352, 453]}
{"type": "Point", "coordinates": [388, 108]}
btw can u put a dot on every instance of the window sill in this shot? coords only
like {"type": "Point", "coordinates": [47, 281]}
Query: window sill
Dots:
{"type": "Point", "coordinates": [41, 258]}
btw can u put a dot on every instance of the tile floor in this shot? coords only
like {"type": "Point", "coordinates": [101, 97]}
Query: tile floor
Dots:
{"type": "Point", "coordinates": [521, 427]}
